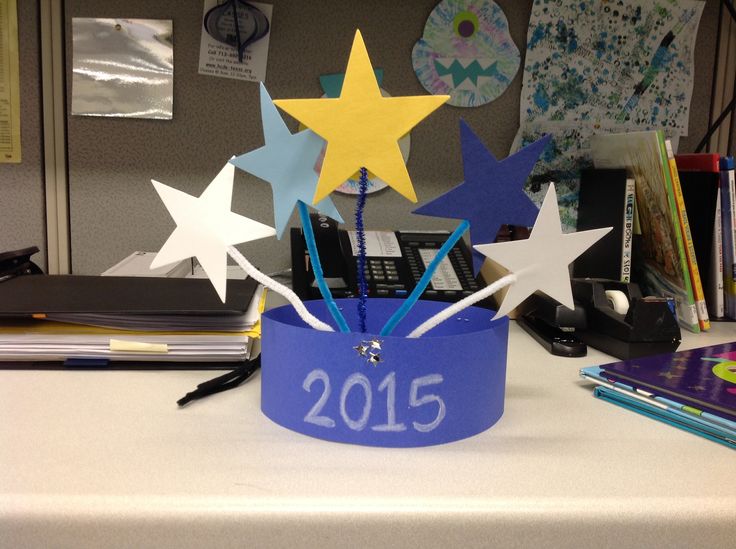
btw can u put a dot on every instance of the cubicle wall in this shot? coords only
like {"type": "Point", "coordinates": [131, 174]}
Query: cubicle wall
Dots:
{"type": "Point", "coordinates": [113, 207]}
{"type": "Point", "coordinates": [22, 202]}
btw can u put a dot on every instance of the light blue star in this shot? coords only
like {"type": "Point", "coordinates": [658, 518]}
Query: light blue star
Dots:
{"type": "Point", "coordinates": [287, 161]}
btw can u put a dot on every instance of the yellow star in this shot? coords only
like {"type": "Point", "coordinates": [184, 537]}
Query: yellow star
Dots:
{"type": "Point", "coordinates": [362, 128]}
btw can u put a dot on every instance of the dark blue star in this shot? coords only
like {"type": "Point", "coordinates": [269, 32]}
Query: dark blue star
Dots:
{"type": "Point", "coordinates": [492, 193]}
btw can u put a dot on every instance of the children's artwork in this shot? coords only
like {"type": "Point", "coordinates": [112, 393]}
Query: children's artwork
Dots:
{"type": "Point", "coordinates": [286, 161]}
{"type": "Point", "coordinates": [123, 68]}
{"type": "Point", "coordinates": [205, 227]}
{"type": "Point", "coordinates": [542, 261]}
{"type": "Point", "coordinates": [391, 377]}
{"type": "Point", "coordinates": [629, 61]}
{"type": "Point", "coordinates": [234, 39]}
{"type": "Point", "coordinates": [492, 193]}
{"type": "Point", "coordinates": [566, 153]}
{"type": "Point", "coordinates": [332, 85]}
{"type": "Point", "coordinates": [466, 51]}
{"type": "Point", "coordinates": [362, 128]}
{"type": "Point", "coordinates": [391, 391]}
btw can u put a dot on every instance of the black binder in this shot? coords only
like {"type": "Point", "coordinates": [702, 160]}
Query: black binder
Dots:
{"type": "Point", "coordinates": [30, 295]}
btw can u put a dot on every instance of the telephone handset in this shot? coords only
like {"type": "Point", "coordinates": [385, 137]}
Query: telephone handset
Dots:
{"type": "Point", "coordinates": [395, 262]}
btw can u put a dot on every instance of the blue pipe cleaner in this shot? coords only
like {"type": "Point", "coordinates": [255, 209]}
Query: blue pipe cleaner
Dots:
{"type": "Point", "coordinates": [317, 268]}
{"type": "Point", "coordinates": [360, 229]}
{"type": "Point", "coordinates": [424, 280]}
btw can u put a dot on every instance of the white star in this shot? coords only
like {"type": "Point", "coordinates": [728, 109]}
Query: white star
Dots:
{"type": "Point", "coordinates": [541, 262]}
{"type": "Point", "coordinates": [206, 226]}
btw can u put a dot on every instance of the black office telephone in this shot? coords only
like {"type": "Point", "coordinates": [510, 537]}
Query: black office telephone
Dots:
{"type": "Point", "coordinates": [395, 262]}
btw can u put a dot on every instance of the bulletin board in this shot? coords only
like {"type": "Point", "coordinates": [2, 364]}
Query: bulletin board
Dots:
{"type": "Point", "coordinates": [22, 199]}
{"type": "Point", "coordinates": [112, 205]}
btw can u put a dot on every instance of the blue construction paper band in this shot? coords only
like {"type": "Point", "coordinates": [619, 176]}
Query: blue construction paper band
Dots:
{"type": "Point", "coordinates": [387, 391]}
{"type": "Point", "coordinates": [425, 279]}
{"type": "Point", "coordinates": [360, 230]}
{"type": "Point", "coordinates": [319, 277]}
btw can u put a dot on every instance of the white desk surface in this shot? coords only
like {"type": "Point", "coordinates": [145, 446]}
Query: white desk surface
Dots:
{"type": "Point", "coordinates": [106, 459]}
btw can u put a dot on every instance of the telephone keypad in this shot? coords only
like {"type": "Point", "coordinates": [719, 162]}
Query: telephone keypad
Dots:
{"type": "Point", "coordinates": [385, 273]}
{"type": "Point", "coordinates": [411, 250]}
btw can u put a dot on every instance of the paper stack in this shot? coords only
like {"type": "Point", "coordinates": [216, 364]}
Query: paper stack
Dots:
{"type": "Point", "coordinates": [77, 320]}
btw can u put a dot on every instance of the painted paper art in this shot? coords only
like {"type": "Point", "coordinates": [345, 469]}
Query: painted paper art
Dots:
{"type": "Point", "coordinates": [567, 152]}
{"type": "Point", "coordinates": [466, 52]}
{"type": "Point", "coordinates": [597, 61]}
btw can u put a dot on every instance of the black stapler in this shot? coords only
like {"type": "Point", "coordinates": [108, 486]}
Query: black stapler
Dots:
{"type": "Point", "coordinates": [18, 262]}
{"type": "Point", "coordinates": [553, 325]}
{"type": "Point", "coordinates": [622, 322]}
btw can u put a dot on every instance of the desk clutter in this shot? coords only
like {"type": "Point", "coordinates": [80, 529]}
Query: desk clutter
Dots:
{"type": "Point", "coordinates": [654, 250]}
{"type": "Point", "coordinates": [676, 237]}
{"type": "Point", "coordinates": [694, 390]}
{"type": "Point", "coordinates": [100, 322]}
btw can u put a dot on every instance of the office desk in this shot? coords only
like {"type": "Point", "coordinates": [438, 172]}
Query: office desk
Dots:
{"type": "Point", "coordinates": [105, 459]}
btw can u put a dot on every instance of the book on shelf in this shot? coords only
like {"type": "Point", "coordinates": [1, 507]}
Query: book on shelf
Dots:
{"type": "Point", "coordinates": [700, 179]}
{"type": "Point", "coordinates": [687, 239]}
{"type": "Point", "coordinates": [663, 267]}
{"type": "Point", "coordinates": [606, 199]}
{"type": "Point", "coordinates": [716, 278]}
{"type": "Point", "coordinates": [728, 215]}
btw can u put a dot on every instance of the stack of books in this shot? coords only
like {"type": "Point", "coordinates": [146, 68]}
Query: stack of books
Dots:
{"type": "Point", "coordinates": [710, 198]}
{"type": "Point", "coordinates": [96, 321]}
{"type": "Point", "coordinates": [694, 390]}
{"type": "Point", "coordinates": [684, 222]}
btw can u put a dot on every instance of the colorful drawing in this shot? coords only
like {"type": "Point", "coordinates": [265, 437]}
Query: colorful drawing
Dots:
{"type": "Point", "coordinates": [466, 51]}
{"type": "Point", "coordinates": [567, 152]}
{"type": "Point", "coordinates": [594, 61]}
{"type": "Point", "coordinates": [726, 370]}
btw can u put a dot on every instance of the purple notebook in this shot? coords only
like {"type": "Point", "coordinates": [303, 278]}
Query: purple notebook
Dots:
{"type": "Point", "coordinates": [703, 378]}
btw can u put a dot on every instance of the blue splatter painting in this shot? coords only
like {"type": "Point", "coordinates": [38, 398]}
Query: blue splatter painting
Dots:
{"type": "Point", "coordinates": [596, 66]}
{"type": "Point", "coordinates": [560, 162]}
{"type": "Point", "coordinates": [626, 63]}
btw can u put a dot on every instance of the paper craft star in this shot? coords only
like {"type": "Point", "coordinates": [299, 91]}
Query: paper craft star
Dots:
{"type": "Point", "coordinates": [287, 162]}
{"type": "Point", "coordinates": [205, 227]}
{"type": "Point", "coordinates": [492, 193]}
{"type": "Point", "coordinates": [541, 262]}
{"type": "Point", "coordinates": [362, 128]}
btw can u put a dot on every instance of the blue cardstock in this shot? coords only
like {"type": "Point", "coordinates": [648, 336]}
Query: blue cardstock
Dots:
{"type": "Point", "coordinates": [492, 193]}
{"type": "Point", "coordinates": [391, 391]}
